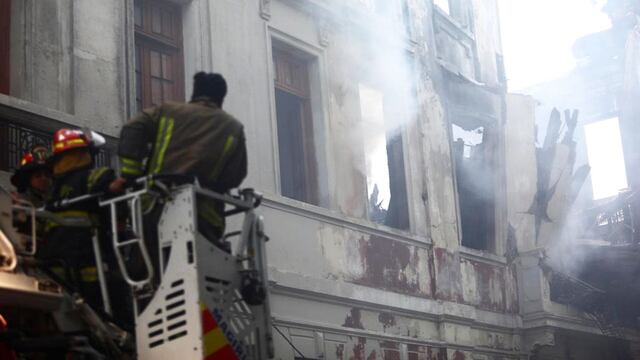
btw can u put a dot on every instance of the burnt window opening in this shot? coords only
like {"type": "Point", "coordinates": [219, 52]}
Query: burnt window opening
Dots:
{"type": "Point", "coordinates": [296, 145]}
{"type": "Point", "coordinates": [473, 151]}
{"type": "Point", "coordinates": [159, 64]}
{"type": "Point", "coordinates": [384, 163]}
{"type": "Point", "coordinates": [5, 46]}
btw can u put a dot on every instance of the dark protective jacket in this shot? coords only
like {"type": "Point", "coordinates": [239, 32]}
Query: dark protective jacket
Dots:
{"type": "Point", "coordinates": [196, 138]}
{"type": "Point", "coordinates": [74, 245]}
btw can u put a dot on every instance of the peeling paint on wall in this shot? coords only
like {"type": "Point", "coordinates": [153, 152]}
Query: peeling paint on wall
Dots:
{"type": "Point", "coordinates": [490, 286]}
{"type": "Point", "coordinates": [419, 352]}
{"type": "Point", "coordinates": [457, 355]}
{"type": "Point", "coordinates": [447, 267]}
{"type": "Point", "coordinates": [387, 320]}
{"type": "Point", "coordinates": [392, 265]}
{"type": "Point", "coordinates": [353, 320]}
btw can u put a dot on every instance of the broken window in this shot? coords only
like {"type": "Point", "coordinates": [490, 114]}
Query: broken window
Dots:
{"type": "Point", "coordinates": [5, 45]}
{"type": "Point", "coordinates": [384, 163]}
{"type": "Point", "coordinates": [298, 168]}
{"type": "Point", "coordinates": [158, 46]}
{"type": "Point", "coordinates": [604, 149]}
{"type": "Point", "coordinates": [475, 178]}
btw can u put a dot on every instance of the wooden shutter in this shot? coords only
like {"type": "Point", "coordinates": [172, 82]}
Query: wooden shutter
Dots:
{"type": "Point", "coordinates": [159, 57]}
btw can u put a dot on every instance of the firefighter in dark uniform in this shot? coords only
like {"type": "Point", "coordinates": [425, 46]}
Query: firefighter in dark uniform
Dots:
{"type": "Point", "coordinates": [74, 175]}
{"type": "Point", "coordinates": [198, 139]}
{"type": "Point", "coordinates": [32, 179]}
{"type": "Point", "coordinates": [33, 182]}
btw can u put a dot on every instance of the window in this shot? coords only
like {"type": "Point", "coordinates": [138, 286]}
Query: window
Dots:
{"type": "Point", "coordinates": [159, 60]}
{"type": "Point", "coordinates": [298, 165]}
{"type": "Point", "coordinates": [474, 161]}
{"type": "Point", "coordinates": [5, 44]}
{"type": "Point", "coordinates": [384, 163]}
{"type": "Point", "coordinates": [604, 149]}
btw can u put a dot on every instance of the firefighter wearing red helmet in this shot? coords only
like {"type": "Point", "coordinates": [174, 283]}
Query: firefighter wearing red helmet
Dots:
{"type": "Point", "coordinates": [69, 249]}
{"type": "Point", "coordinates": [32, 178]}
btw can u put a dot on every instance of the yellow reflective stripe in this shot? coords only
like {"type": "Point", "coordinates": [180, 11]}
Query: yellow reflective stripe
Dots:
{"type": "Point", "coordinates": [228, 146]}
{"type": "Point", "coordinates": [95, 176]}
{"type": "Point", "coordinates": [69, 142]}
{"type": "Point", "coordinates": [58, 270]}
{"type": "Point", "coordinates": [157, 145]}
{"type": "Point", "coordinates": [126, 170]}
{"type": "Point", "coordinates": [210, 214]}
{"type": "Point", "coordinates": [163, 149]}
{"type": "Point", "coordinates": [65, 215]}
{"type": "Point", "coordinates": [130, 162]}
{"type": "Point", "coordinates": [89, 274]}
{"type": "Point", "coordinates": [72, 213]}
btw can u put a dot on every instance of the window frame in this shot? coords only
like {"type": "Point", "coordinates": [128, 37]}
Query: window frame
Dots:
{"type": "Point", "coordinates": [318, 86]}
{"type": "Point", "coordinates": [146, 40]}
{"type": "Point", "coordinates": [492, 129]}
{"type": "Point", "coordinates": [403, 146]}
{"type": "Point", "coordinates": [311, 191]}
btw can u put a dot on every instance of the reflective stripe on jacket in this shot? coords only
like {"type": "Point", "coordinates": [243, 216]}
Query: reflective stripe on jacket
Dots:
{"type": "Point", "coordinates": [197, 138]}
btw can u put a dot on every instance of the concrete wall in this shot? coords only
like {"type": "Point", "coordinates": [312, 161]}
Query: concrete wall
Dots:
{"type": "Point", "coordinates": [70, 56]}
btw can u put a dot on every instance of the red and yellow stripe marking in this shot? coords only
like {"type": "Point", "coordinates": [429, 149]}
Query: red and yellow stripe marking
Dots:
{"type": "Point", "coordinates": [216, 346]}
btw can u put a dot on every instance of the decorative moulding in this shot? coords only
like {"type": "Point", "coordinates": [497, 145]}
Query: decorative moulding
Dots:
{"type": "Point", "coordinates": [265, 9]}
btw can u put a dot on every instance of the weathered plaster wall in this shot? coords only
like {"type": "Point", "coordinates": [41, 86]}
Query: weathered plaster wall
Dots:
{"type": "Point", "coordinates": [69, 56]}
{"type": "Point", "coordinates": [438, 189]}
{"type": "Point", "coordinates": [520, 150]}
{"type": "Point", "coordinates": [487, 28]}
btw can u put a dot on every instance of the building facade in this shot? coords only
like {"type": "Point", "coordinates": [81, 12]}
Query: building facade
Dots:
{"type": "Point", "coordinates": [397, 171]}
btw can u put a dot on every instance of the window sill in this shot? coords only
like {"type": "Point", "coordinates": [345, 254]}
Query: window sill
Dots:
{"type": "Point", "coordinates": [300, 208]}
{"type": "Point", "coordinates": [482, 256]}
{"type": "Point", "coordinates": [32, 115]}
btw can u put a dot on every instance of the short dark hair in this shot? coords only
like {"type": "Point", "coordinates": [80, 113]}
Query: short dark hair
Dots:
{"type": "Point", "coordinates": [211, 85]}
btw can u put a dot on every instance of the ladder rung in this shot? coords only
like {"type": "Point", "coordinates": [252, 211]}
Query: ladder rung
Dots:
{"type": "Point", "coordinates": [128, 242]}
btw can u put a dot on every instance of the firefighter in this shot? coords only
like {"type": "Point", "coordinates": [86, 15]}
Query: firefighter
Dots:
{"type": "Point", "coordinates": [32, 179]}
{"type": "Point", "coordinates": [68, 249]}
{"type": "Point", "coordinates": [196, 138]}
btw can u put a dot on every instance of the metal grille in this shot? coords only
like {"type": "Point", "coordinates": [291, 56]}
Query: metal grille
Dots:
{"type": "Point", "coordinates": [174, 320]}
{"type": "Point", "coordinates": [15, 140]}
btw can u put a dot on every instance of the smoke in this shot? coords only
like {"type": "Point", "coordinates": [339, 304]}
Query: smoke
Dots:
{"type": "Point", "coordinates": [372, 88]}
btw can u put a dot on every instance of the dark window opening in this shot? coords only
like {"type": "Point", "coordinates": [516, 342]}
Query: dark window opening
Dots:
{"type": "Point", "coordinates": [475, 179]}
{"type": "Point", "coordinates": [298, 171]}
{"type": "Point", "coordinates": [384, 164]}
{"type": "Point", "coordinates": [5, 45]}
{"type": "Point", "coordinates": [159, 64]}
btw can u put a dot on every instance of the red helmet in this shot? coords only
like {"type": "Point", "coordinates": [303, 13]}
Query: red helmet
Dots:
{"type": "Point", "coordinates": [32, 160]}
{"type": "Point", "coordinates": [68, 139]}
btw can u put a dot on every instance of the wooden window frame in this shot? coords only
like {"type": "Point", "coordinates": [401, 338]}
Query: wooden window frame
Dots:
{"type": "Point", "coordinates": [146, 40]}
{"type": "Point", "coordinates": [301, 90]}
